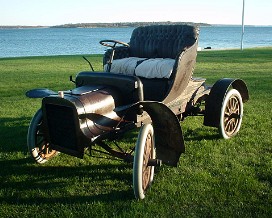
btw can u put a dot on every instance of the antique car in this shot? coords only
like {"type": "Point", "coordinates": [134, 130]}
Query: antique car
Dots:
{"type": "Point", "coordinates": [148, 84]}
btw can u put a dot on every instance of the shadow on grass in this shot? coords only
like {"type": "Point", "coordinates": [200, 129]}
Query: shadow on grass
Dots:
{"type": "Point", "coordinates": [25, 183]}
{"type": "Point", "coordinates": [203, 133]}
{"type": "Point", "coordinates": [22, 182]}
{"type": "Point", "coordinates": [13, 134]}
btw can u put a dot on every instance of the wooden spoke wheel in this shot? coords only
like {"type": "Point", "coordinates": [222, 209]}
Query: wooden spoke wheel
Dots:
{"type": "Point", "coordinates": [231, 114]}
{"type": "Point", "coordinates": [38, 146]}
{"type": "Point", "coordinates": [143, 174]}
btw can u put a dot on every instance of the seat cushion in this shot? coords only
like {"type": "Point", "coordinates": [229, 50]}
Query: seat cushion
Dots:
{"type": "Point", "coordinates": [155, 68]}
{"type": "Point", "coordinates": [147, 68]}
{"type": "Point", "coordinates": [125, 66]}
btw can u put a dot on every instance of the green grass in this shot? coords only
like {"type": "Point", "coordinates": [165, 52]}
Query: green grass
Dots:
{"type": "Point", "coordinates": [215, 177]}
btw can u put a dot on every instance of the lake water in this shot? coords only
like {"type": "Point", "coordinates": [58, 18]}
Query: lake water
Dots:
{"type": "Point", "coordinates": [62, 41]}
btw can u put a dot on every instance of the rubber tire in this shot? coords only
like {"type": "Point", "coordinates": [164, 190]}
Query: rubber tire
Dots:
{"type": "Point", "coordinates": [139, 192]}
{"type": "Point", "coordinates": [230, 94]}
{"type": "Point", "coordinates": [31, 139]}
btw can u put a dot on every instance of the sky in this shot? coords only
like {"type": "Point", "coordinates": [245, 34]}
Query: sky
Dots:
{"type": "Point", "coordinates": [57, 12]}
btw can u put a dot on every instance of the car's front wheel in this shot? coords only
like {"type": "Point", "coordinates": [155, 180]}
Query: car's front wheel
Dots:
{"type": "Point", "coordinates": [143, 172]}
{"type": "Point", "coordinates": [38, 146]}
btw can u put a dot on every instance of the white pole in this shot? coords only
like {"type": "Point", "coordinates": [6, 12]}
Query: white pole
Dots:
{"type": "Point", "coordinates": [243, 28]}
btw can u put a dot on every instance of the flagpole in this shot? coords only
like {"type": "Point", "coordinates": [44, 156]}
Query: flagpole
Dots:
{"type": "Point", "coordinates": [243, 28]}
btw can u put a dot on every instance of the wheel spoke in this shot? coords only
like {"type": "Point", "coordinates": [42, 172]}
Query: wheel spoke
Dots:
{"type": "Point", "coordinates": [227, 126]}
{"type": "Point", "coordinates": [232, 100]}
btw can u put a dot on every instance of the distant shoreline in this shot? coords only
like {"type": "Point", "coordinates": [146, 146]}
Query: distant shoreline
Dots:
{"type": "Point", "coordinates": [124, 25]}
{"type": "Point", "coordinates": [104, 25]}
{"type": "Point", "coordinates": [24, 27]}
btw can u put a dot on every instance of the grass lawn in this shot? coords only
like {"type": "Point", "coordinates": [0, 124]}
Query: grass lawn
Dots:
{"type": "Point", "coordinates": [215, 177]}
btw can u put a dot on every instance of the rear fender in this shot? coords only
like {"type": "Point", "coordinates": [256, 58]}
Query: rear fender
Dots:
{"type": "Point", "coordinates": [215, 99]}
{"type": "Point", "coordinates": [39, 93]}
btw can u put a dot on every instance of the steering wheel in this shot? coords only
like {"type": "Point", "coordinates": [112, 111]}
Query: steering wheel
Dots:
{"type": "Point", "coordinates": [113, 43]}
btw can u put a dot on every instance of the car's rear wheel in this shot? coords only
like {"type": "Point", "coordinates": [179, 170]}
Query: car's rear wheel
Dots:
{"type": "Point", "coordinates": [38, 147]}
{"type": "Point", "coordinates": [231, 114]}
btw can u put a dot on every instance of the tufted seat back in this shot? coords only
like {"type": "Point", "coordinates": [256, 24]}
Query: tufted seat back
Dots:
{"type": "Point", "coordinates": [161, 41]}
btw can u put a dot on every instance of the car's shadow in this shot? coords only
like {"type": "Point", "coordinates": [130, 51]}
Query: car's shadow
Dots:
{"type": "Point", "coordinates": [23, 182]}
{"type": "Point", "coordinates": [201, 133]}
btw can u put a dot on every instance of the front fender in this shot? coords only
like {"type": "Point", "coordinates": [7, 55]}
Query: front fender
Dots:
{"type": "Point", "coordinates": [39, 93]}
{"type": "Point", "coordinates": [168, 134]}
{"type": "Point", "coordinates": [215, 99]}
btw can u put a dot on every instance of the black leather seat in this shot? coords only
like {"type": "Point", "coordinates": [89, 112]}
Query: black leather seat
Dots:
{"type": "Point", "coordinates": [178, 42]}
{"type": "Point", "coordinates": [159, 41]}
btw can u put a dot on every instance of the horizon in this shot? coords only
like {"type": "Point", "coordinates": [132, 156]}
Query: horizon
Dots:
{"type": "Point", "coordinates": [52, 13]}
{"type": "Point", "coordinates": [205, 24]}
